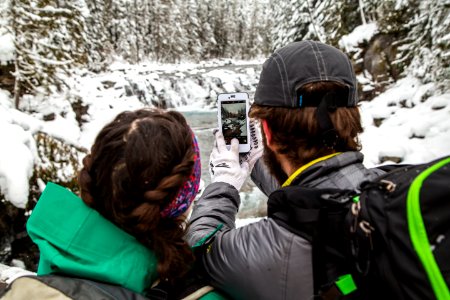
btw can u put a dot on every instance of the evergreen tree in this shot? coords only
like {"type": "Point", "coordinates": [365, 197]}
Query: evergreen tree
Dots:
{"type": "Point", "coordinates": [99, 45]}
{"type": "Point", "coordinates": [163, 31]}
{"type": "Point", "coordinates": [171, 30]}
{"type": "Point", "coordinates": [136, 38]}
{"type": "Point", "coordinates": [426, 47]}
{"type": "Point", "coordinates": [231, 21]}
{"type": "Point", "coordinates": [440, 29]}
{"type": "Point", "coordinates": [193, 29]}
{"type": "Point", "coordinates": [292, 21]}
{"type": "Point", "coordinates": [333, 19]}
{"type": "Point", "coordinates": [264, 15]}
{"type": "Point", "coordinates": [206, 35]}
{"type": "Point", "coordinates": [218, 28]}
{"type": "Point", "coordinates": [50, 39]}
{"type": "Point", "coordinates": [5, 28]}
{"type": "Point", "coordinates": [179, 35]}
{"type": "Point", "coordinates": [253, 36]}
{"type": "Point", "coordinates": [392, 16]}
{"type": "Point", "coordinates": [247, 33]}
{"type": "Point", "coordinates": [122, 30]}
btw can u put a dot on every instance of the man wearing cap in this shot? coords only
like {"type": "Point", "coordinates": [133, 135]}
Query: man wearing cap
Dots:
{"type": "Point", "coordinates": [306, 103]}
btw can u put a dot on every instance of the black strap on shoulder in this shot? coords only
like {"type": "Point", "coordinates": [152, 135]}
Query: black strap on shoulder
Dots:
{"type": "Point", "coordinates": [193, 281]}
{"type": "Point", "coordinates": [318, 215]}
{"type": "Point", "coordinates": [159, 292]}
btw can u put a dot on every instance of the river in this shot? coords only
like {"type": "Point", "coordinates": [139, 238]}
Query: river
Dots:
{"type": "Point", "coordinates": [203, 123]}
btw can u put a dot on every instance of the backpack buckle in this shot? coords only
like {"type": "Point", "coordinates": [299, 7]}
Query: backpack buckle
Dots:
{"type": "Point", "coordinates": [388, 185]}
{"type": "Point", "coordinates": [362, 262]}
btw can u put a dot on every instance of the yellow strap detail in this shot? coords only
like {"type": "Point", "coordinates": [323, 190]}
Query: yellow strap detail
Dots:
{"type": "Point", "coordinates": [304, 167]}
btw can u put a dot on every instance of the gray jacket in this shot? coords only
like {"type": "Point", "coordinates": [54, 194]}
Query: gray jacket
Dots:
{"type": "Point", "coordinates": [264, 260]}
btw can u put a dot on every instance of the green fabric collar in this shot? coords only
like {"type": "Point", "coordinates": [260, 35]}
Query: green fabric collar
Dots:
{"type": "Point", "coordinates": [76, 240]}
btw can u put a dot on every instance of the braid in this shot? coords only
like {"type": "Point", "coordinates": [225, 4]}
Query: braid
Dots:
{"type": "Point", "coordinates": [169, 185]}
{"type": "Point", "coordinates": [137, 165]}
{"type": "Point", "coordinates": [85, 181]}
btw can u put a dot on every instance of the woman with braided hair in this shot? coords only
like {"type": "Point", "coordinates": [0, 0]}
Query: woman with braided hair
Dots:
{"type": "Point", "coordinates": [125, 235]}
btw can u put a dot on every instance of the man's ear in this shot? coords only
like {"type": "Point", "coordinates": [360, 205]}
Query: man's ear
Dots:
{"type": "Point", "coordinates": [267, 132]}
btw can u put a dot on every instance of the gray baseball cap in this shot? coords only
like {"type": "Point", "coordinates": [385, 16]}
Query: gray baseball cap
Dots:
{"type": "Point", "coordinates": [298, 63]}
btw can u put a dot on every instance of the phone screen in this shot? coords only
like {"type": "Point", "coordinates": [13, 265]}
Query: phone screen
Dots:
{"type": "Point", "coordinates": [234, 121]}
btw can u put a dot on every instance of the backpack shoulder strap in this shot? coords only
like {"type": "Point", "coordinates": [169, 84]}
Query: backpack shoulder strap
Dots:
{"type": "Point", "coordinates": [23, 287]}
{"type": "Point", "coordinates": [299, 209]}
{"type": "Point", "coordinates": [56, 287]}
{"type": "Point", "coordinates": [194, 285]}
{"type": "Point", "coordinates": [318, 215]}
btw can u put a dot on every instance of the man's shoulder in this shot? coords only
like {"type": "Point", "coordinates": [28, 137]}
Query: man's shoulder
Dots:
{"type": "Point", "coordinates": [343, 171]}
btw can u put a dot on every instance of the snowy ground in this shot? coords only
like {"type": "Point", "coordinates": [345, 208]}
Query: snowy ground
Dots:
{"type": "Point", "coordinates": [413, 119]}
{"type": "Point", "coordinates": [8, 273]}
{"type": "Point", "coordinates": [185, 87]}
{"type": "Point", "coordinates": [410, 122]}
{"type": "Point", "coordinates": [415, 124]}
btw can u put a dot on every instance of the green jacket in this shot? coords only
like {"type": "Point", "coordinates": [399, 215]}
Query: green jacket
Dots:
{"type": "Point", "coordinates": [76, 240]}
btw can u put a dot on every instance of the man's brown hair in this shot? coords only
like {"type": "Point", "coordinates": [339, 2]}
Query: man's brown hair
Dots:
{"type": "Point", "coordinates": [296, 131]}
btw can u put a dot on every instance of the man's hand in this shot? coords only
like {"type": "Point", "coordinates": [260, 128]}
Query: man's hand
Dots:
{"type": "Point", "coordinates": [256, 146]}
{"type": "Point", "coordinates": [224, 164]}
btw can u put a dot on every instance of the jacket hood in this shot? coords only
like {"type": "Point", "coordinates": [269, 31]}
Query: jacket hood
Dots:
{"type": "Point", "coordinates": [76, 240]}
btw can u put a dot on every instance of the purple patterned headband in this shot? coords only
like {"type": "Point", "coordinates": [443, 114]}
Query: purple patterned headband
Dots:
{"type": "Point", "coordinates": [188, 191]}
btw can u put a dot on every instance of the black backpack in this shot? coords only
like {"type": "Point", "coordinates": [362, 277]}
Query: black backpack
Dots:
{"type": "Point", "coordinates": [391, 240]}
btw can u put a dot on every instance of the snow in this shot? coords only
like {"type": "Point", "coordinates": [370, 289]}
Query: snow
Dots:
{"type": "Point", "coordinates": [416, 126]}
{"type": "Point", "coordinates": [7, 48]}
{"type": "Point", "coordinates": [413, 118]}
{"type": "Point", "coordinates": [16, 154]}
{"type": "Point", "coordinates": [362, 33]}
{"type": "Point", "coordinates": [244, 222]}
{"type": "Point", "coordinates": [9, 274]}
{"type": "Point", "coordinates": [16, 163]}
{"type": "Point", "coordinates": [413, 122]}
{"type": "Point", "coordinates": [105, 96]}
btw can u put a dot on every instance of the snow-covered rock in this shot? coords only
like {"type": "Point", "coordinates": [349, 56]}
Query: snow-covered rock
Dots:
{"type": "Point", "coordinates": [8, 274]}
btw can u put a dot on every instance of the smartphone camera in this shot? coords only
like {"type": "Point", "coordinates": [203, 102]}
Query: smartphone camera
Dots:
{"type": "Point", "coordinates": [233, 120]}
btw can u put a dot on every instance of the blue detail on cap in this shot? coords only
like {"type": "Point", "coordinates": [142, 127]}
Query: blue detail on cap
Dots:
{"type": "Point", "coordinates": [300, 101]}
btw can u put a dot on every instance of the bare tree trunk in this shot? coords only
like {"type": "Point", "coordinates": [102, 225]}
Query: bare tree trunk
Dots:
{"type": "Point", "coordinates": [17, 85]}
{"type": "Point", "coordinates": [136, 34]}
{"type": "Point", "coordinates": [361, 10]}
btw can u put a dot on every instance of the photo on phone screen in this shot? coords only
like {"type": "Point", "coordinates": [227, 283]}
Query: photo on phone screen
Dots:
{"type": "Point", "coordinates": [234, 121]}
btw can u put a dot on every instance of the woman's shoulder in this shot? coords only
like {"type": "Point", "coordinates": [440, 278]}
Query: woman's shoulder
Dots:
{"type": "Point", "coordinates": [61, 287]}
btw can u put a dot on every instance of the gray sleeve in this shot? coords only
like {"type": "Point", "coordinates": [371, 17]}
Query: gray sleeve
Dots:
{"type": "Point", "coordinates": [263, 179]}
{"type": "Point", "coordinates": [259, 261]}
{"type": "Point", "coordinates": [218, 204]}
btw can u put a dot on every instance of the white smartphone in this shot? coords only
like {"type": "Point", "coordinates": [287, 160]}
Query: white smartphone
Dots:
{"type": "Point", "coordinates": [232, 112]}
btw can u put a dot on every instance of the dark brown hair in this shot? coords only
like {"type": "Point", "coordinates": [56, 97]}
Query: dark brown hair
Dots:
{"type": "Point", "coordinates": [136, 167]}
{"type": "Point", "coordinates": [296, 132]}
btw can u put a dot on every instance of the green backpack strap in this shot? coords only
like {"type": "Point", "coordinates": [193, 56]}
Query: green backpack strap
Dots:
{"type": "Point", "coordinates": [418, 232]}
